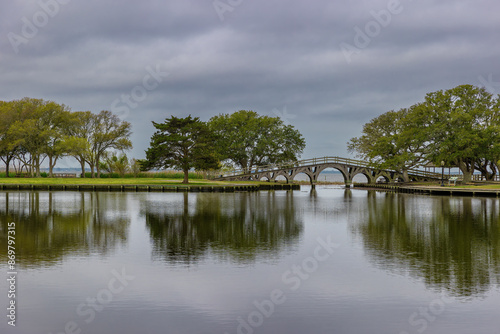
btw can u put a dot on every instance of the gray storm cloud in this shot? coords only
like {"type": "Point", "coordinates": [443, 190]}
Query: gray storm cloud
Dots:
{"type": "Point", "coordinates": [226, 55]}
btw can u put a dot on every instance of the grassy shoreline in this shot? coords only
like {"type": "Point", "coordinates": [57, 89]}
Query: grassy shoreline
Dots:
{"type": "Point", "coordinates": [139, 185]}
{"type": "Point", "coordinates": [199, 182]}
{"type": "Point", "coordinates": [118, 181]}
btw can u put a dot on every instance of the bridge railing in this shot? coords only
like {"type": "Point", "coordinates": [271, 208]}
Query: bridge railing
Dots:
{"type": "Point", "coordinates": [323, 160]}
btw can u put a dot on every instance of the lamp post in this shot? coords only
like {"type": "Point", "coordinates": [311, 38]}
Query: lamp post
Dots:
{"type": "Point", "coordinates": [442, 173]}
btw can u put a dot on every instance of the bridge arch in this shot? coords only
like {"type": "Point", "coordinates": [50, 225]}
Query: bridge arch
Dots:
{"type": "Point", "coordinates": [328, 174]}
{"type": "Point", "coordinates": [340, 168]}
{"type": "Point", "coordinates": [384, 178]}
{"type": "Point", "coordinates": [281, 173]}
{"type": "Point", "coordinates": [310, 177]}
{"type": "Point", "coordinates": [349, 168]}
{"type": "Point", "coordinates": [362, 175]}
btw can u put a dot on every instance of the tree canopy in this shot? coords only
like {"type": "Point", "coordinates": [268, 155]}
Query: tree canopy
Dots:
{"type": "Point", "coordinates": [243, 138]}
{"type": "Point", "coordinates": [460, 126]}
{"type": "Point", "coordinates": [181, 143]}
{"type": "Point", "coordinates": [248, 139]}
{"type": "Point", "coordinates": [108, 132]}
{"type": "Point", "coordinates": [33, 130]}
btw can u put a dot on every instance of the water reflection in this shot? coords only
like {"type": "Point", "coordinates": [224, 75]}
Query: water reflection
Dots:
{"type": "Point", "coordinates": [450, 243]}
{"type": "Point", "coordinates": [236, 227]}
{"type": "Point", "coordinates": [50, 226]}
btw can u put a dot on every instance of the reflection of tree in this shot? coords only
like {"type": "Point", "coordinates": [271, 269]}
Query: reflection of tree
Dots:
{"type": "Point", "coordinates": [451, 243]}
{"type": "Point", "coordinates": [50, 226]}
{"type": "Point", "coordinates": [238, 226]}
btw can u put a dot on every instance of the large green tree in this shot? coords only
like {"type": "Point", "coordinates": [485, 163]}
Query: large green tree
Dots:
{"type": "Point", "coordinates": [55, 119]}
{"type": "Point", "coordinates": [464, 127]}
{"type": "Point", "coordinates": [7, 150]}
{"type": "Point", "coordinates": [460, 126]}
{"type": "Point", "coordinates": [392, 140]}
{"type": "Point", "coordinates": [249, 140]}
{"type": "Point", "coordinates": [181, 143]}
{"type": "Point", "coordinates": [108, 132]}
{"type": "Point", "coordinates": [79, 137]}
{"type": "Point", "coordinates": [39, 129]}
{"type": "Point", "coordinates": [30, 131]}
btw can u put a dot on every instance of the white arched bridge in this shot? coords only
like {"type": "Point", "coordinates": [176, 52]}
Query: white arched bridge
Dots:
{"type": "Point", "coordinates": [349, 168]}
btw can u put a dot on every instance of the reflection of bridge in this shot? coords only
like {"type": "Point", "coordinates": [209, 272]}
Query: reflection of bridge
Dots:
{"type": "Point", "coordinates": [313, 167]}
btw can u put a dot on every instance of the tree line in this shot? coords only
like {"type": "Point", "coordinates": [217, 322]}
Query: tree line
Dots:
{"type": "Point", "coordinates": [34, 130]}
{"type": "Point", "coordinates": [243, 139]}
{"type": "Point", "coordinates": [459, 127]}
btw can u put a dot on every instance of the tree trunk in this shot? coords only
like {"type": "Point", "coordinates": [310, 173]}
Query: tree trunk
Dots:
{"type": "Point", "coordinates": [186, 176]}
{"type": "Point", "coordinates": [467, 169]}
{"type": "Point", "coordinates": [37, 166]}
{"type": "Point", "coordinates": [32, 167]}
{"type": "Point", "coordinates": [483, 168]}
{"type": "Point", "coordinates": [467, 176]}
{"type": "Point", "coordinates": [82, 164]}
{"type": "Point", "coordinates": [406, 178]}
{"type": "Point", "coordinates": [38, 173]}
{"type": "Point", "coordinates": [97, 160]}
{"type": "Point", "coordinates": [7, 163]}
{"type": "Point", "coordinates": [490, 176]}
{"type": "Point", "coordinates": [51, 166]}
{"type": "Point", "coordinates": [244, 166]}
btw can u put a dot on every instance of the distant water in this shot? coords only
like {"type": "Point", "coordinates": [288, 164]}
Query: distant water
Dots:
{"type": "Point", "coordinates": [330, 260]}
{"type": "Point", "coordinates": [328, 176]}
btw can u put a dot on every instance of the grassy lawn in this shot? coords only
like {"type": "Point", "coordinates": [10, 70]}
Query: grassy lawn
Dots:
{"type": "Point", "coordinates": [118, 181]}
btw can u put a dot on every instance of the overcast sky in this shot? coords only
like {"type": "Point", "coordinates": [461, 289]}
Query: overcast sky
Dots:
{"type": "Point", "coordinates": [326, 67]}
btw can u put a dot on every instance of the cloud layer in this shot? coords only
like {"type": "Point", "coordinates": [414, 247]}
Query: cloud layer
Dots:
{"type": "Point", "coordinates": [330, 65]}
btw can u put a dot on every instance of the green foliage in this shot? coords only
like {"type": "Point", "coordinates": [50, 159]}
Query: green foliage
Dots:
{"type": "Point", "coordinates": [79, 140]}
{"type": "Point", "coordinates": [169, 175]}
{"type": "Point", "coordinates": [181, 143]}
{"type": "Point", "coordinates": [460, 126]}
{"type": "Point", "coordinates": [249, 140]}
{"type": "Point", "coordinates": [465, 128]}
{"type": "Point", "coordinates": [34, 128]}
{"type": "Point", "coordinates": [394, 140]}
{"type": "Point", "coordinates": [116, 164]}
{"type": "Point", "coordinates": [150, 175]}
{"type": "Point", "coordinates": [108, 132]}
{"type": "Point", "coordinates": [135, 167]}
{"type": "Point", "coordinates": [33, 131]}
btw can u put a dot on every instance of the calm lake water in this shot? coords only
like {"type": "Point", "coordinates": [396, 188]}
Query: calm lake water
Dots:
{"type": "Point", "coordinates": [324, 261]}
